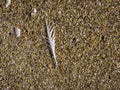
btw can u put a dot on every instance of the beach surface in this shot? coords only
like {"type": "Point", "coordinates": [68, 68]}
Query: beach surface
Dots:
{"type": "Point", "coordinates": [87, 37]}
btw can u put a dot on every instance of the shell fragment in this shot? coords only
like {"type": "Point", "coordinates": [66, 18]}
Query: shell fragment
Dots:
{"type": "Point", "coordinates": [34, 12]}
{"type": "Point", "coordinates": [17, 32]}
{"type": "Point", "coordinates": [8, 2]}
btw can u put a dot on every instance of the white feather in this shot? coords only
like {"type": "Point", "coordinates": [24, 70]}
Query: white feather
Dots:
{"type": "Point", "coordinates": [51, 39]}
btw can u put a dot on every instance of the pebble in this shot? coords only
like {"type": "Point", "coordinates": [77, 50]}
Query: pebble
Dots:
{"type": "Point", "coordinates": [8, 2]}
{"type": "Point", "coordinates": [34, 12]}
{"type": "Point", "coordinates": [17, 32]}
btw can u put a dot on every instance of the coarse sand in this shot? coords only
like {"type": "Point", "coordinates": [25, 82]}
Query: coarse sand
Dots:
{"type": "Point", "coordinates": [87, 37]}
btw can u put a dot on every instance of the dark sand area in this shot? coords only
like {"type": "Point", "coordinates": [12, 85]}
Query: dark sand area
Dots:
{"type": "Point", "coordinates": [87, 36]}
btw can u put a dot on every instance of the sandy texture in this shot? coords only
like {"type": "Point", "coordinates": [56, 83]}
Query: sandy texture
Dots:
{"type": "Point", "coordinates": [87, 45]}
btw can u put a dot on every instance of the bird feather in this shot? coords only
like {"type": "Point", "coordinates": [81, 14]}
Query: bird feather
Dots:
{"type": "Point", "coordinates": [50, 32]}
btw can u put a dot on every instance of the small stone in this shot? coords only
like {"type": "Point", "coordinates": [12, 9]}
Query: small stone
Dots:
{"type": "Point", "coordinates": [8, 2]}
{"type": "Point", "coordinates": [17, 32]}
{"type": "Point", "coordinates": [34, 12]}
{"type": "Point", "coordinates": [59, 12]}
{"type": "Point", "coordinates": [77, 40]}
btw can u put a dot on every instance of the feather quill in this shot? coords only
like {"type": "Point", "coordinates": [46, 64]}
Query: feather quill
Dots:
{"type": "Point", "coordinates": [50, 32]}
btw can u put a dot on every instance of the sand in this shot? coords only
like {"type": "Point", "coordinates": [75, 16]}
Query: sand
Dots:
{"type": "Point", "coordinates": [87, 39]}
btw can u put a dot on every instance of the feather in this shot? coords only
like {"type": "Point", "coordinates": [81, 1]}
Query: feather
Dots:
{"type": "Point", "coordinates": [50, 32]}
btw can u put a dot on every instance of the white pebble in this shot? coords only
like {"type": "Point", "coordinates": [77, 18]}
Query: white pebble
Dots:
{"type": "Point", "coordinates": [59, 12]}
{"type": "Point", "coordinates": [8, 2]}
{"type": "Point", "coordinates": [34, 12]}
{"type": "Point", "coordinates": [77, 40]}
{"type": "Point", "coordinates": [17, 32]}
